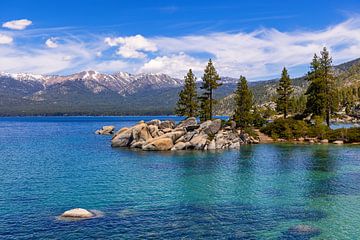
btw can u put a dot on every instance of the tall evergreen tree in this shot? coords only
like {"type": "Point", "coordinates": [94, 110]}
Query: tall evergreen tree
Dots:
{"type": "Point", "coordinates": [210, 82]}
{"type": "Point", "coordinates": [284, 92]}
{"type": "Point", "coordinates": [320, 93]}
{"type": "Point", "coordinates": [187, 104]}
{"type": "Point", "coordinates": [243, 104]}
{"type": "Point", "coordinates": [328, 82]}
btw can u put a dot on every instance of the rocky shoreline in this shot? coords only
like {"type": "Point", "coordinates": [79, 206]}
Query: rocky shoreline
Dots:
{"type": "Point", "coordinates": [157, 135]}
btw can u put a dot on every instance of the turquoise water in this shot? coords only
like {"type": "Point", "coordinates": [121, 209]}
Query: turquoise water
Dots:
{"type": "Point", "coordinates": [52, 164]}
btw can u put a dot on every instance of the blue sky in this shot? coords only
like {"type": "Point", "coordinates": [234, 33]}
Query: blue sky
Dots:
{"type": "Point", "coordinates": [253, 38]}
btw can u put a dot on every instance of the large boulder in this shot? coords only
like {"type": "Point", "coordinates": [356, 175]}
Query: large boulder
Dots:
{"type": "Point", "coordinates": [167, 124]}
{"type": "Point", "coordinates": [199, 141]}
{"type": "Point", "coordinates": [78, 213]}
{"type": "Point", "coordinates": [191, 121]}
{"type": "Point", "coordinates": [338, 142]}
{"type": "Point", "coordinates": [212, 145]}
{"type": "Point", "coordinates": [105, 130]}
{"type": "Point", "coordinates": [122, 138]}
{"type": "Point", "coordinates": [138, 144]}
{"type": "Point", "coordinates": [141, 132]}
{"type": "Point", "coordinates": [159, 144]}
{"type": "Point", "coordinates": [212, 127]}
{"type": "Point", "coordinates": [179, 146]}
{"type": "Point", "coordinates": [154, 122]}
{"type": "Point", "coordinates": [154, 130]}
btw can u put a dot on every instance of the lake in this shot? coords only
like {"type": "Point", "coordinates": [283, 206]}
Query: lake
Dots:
{"type": "Point", "coordinates": [52, 164]}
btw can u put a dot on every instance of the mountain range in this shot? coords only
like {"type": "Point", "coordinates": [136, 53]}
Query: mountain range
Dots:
{"type": "Point", "coordinates": [94, 93]}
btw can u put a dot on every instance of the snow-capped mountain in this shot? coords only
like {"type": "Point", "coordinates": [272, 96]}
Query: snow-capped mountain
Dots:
{"type": "Point", "coordinates": [121, 82]}
{"type": "Point", "coordinates": [91, 92]}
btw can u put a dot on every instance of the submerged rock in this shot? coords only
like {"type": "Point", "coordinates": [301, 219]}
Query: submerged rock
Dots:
{"type": "Point", "coordinates": [78, 213]}
{"type": "Point", "coordinates": [303, 230]}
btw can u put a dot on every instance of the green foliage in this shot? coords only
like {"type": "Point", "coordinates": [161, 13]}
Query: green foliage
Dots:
{"type": "Point", "coordinates": [286, 128]}
{"type": "Point", "coordinates": [298, 104]}
{"type": "Point", "coordinates": [187, 104]}
{"type": "Point", "coordinates": [243, 104]}
{"type": "Point", "coordinates": [318, 129]}
{"type": "Point", "coordinates": [348, 135]}
{"type": "Point", "coordinates": [258, 120]}
{"type": "Point", "coordinates": [210, 82]}
{"type": "Point", "coordinates": [320, 93]}
{"type": "Point", "coordinates": [284, 92]}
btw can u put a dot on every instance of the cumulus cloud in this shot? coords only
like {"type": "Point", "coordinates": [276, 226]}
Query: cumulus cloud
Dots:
{"type": "Point", "coordinates": [51, 43]}
{"type": "Point", "coordinates": [132, 46]}
{"type": "Point", "coordinates": [262, 53]}
{"type": "Point", "coordinates": [174, 65]}
{"type": "Point", "coordinates": [17, 24]}
{"type": "Point", "coordinates": [4, 39]}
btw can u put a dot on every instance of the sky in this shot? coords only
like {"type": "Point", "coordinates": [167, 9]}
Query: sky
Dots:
{"type": "Point", "coordinates": [251, 38]}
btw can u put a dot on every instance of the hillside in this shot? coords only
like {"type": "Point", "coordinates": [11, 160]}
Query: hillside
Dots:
{"type": "Point", "coordinates": [347, 74]}
{"type": "Point", "coordinates": [93, 93]}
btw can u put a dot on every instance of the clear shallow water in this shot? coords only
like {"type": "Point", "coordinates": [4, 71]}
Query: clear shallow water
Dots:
{"type": "Point", "coordinates": [52, 164]}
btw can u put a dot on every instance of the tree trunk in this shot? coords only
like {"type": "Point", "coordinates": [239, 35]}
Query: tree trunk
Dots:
{"type": "Point", "coordinates": [328, 118]}
{"type": "Point", "coordinates": [211, 102]}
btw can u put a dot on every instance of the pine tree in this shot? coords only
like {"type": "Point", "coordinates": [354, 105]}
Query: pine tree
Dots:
{"type": "Point", "coordinates": [284, 92]}
{"type": "Point", "coordinates": [243, 104]}
{"type": "Point", "coordinates": [328, 83]}
{"type": "Point", "coordinates": [210, 82]}
{"type": "Point", "coordinates": [320, 93]}
{"type": "Point", "coordinates": [187, 104]}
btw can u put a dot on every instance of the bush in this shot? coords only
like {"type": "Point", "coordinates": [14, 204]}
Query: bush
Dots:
{"type": "Point", "coordinates": [319, 129]}
{"type": "Point", "coordinates": [286, 128]}
{"type": "Point", "coordinates": [348, 135]}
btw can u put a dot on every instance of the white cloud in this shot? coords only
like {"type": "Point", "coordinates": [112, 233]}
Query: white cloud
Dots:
{"type": "Point", "coordinates": [51, 43]}
{"type": "Point", "coordinates": [262, 53]}
{"type": "Point", "coordinates": [4, 39]}
{"type": "Point", "coordinates": [71, 57]}
{"type": "Point", "coordinates": [174, 65]}
{"type": "Point", "coordinates": [17, 24]}
{"type": "Point", "coordinates": [132, 46]}
{"type": "Point", "coordinates": [67, 58]}
{"type": "Point", "coordinates": [259, 54]}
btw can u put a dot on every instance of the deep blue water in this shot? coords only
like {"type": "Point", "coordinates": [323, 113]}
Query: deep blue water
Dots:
{"type": "Point", "coordinates": [52, 164]}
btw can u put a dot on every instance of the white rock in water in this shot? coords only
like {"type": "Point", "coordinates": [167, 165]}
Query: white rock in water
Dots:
{"type": "Point", "coordinates": [77, 213]}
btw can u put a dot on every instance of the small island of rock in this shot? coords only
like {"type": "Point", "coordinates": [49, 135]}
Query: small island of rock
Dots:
{"type": "Point", "coordinates": [157, 135]}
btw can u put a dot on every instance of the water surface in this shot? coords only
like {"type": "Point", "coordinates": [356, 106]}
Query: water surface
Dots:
{"type": "Point", "coordinates": [52, 164]}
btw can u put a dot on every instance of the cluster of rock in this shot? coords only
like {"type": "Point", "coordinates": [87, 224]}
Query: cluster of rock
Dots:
{"type": "Point", "coordinates": [316, 140]}
{"type": "Point", "coordinates": [346, 119]}
{"type": "Point", "coordinates": [106, 130]}
{"type": "Point", "coordinates": [157, 135]}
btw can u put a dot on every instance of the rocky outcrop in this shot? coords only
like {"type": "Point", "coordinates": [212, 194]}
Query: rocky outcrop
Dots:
{"type": "Point", "coordinates": [106, 130]}
{"type": "Point", "coordinates": [157, 135]}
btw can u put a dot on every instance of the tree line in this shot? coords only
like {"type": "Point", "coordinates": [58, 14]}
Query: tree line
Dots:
{"type": "Point", "coordinates": [320, 100]}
